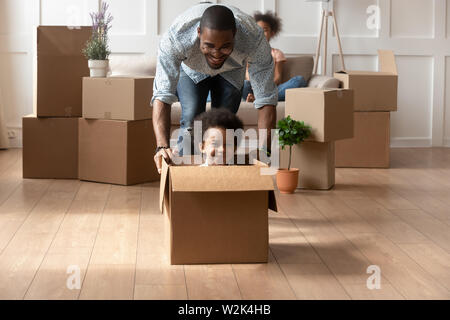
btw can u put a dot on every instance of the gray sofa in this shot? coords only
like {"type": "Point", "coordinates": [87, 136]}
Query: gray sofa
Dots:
{"type": "Point", "coordinates": [295, 65]}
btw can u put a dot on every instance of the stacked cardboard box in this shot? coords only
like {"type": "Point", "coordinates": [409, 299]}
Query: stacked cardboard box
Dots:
{"type": "Point", "coordinates": [116, 147]}
{"type": "Point", "coordinates": [330, 115]}
{"type": "Point", "coordinates": [116, 138]}
{"type": "Point", "coordinates": [50, 135]}
{"type": "Point", "coordinates": [375, 97]}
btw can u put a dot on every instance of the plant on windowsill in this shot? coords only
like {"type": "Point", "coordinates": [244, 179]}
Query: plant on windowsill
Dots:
{"type": "Point", "coordinates": [290, 133]}
{"type": "Point", "coordinates": [97, 48]}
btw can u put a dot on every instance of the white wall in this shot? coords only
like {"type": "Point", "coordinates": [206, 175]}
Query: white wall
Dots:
{"type": "Point", "coordinates": [417, 30]}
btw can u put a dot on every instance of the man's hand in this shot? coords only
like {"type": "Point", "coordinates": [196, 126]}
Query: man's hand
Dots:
{"type": "Point", "coordinates": [250, 98]}
{"type": "Point", "coordinates": [165, 153]}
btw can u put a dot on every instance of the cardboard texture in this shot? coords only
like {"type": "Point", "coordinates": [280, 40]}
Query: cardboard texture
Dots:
{"type": "Point", "coordinates": [216, 214]}
{"type": "Point", "coordinates": [315, 161]}
{"type": "Point", "coordinates": [370, 148]}
{"type": "Point", "coordinates": [117, 98]}
{"type": "Point", "coordinates": [50, 147]}
{"type": "Point", "coordinates": [373, 91]}
{"type": "Point", "coordinates": [328, 112]}
{"type": "Point", "coordinates": [58, 70]}
{"type": "Point", "coordinates": [117, 152]}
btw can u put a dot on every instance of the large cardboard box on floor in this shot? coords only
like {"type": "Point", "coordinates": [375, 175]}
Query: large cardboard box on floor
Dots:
{"type": "Point", "coordinates": [328, 112]}
{"type": "Point", "coordinates": [373, 91]}
{"type": "Point", "coordinates": [370, 148]}
{"type": "Point", "coordinates": [315, 161]}
{"type": "Point", "coordinates": [59, 67]}
{"type": "Point", "coordinates": [118, 152]}
{"type": "Point", "coordinates": [217, 214]}
{"type": "Point", "coordinates": [117, 98]}
{"type": "Point", "coordinates": [50, 147]}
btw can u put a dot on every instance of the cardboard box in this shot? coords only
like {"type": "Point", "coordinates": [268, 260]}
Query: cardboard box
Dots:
{"type": "Point", "coordinates": [50, 147]}
{"type": "Point", "coordinates": [117, 98]}
{"type": "Point", "coordinates": [217, 214]}
{"type": "Point", "coordinates": [59, 67]}
{"type": "Point", "coordinates": [373, 91]}
{"type": "Point", "coordinates": [118, 152]}
{"type": "Point", "coordinates": [328, 112]}
{"type": "Point", "coordinates": [315, 161]}
{"type": "Point", "coordinates": [370, 148]}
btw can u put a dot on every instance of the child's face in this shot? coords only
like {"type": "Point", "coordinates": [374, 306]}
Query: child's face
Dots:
{"type": "Point", "coordinates": [267, 29]}
{"type": "Point", "coordinates": [214, 146]}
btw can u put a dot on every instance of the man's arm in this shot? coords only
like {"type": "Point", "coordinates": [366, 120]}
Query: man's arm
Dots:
{"type": "Point", "coordinates": [161, 126]}
{"type": "Point", "coordinates": [267, 117]}
{"type": "Point", "coordinates": [261, 71]}
{"type": "Point", "coordinates": [161, 123]}
{"type": "Point", "coordinates": [170, 56]}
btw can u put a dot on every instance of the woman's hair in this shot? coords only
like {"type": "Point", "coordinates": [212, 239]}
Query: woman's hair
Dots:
{"type": "Point", "coordinates": [271, 19]}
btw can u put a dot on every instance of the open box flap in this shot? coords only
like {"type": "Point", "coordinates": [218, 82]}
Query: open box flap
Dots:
{"type": "Point", "coordinates": [164, 184]}
{"type": "Point", "coordinates": [272, 201]}
{"type": "Point", "coordinates": [219, 178]}
{"type": "Point", "coordinates": [61, 40]}
{"type": "Point", "coordinates": [386, 61]}
{"type": "Point", "coordinates": [386, 65]}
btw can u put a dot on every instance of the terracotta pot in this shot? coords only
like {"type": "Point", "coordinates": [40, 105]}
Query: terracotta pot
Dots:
{"type": "Point", "coordinates": [287, 180]}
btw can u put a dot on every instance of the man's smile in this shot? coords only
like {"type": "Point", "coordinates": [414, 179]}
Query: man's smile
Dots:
{"type": "Point", "coordinates": [215, 62]}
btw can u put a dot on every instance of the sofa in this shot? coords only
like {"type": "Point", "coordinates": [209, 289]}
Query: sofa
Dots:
{"type": "Point", "coordinates": [144, 66]}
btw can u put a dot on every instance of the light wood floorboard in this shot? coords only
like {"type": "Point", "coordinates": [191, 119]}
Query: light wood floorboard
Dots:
{"type": "Point", "coordinates": [321, 242]}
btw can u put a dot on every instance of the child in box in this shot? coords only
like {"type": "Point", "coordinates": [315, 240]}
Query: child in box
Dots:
{"type": "Point", "coordinates": [214, 146]}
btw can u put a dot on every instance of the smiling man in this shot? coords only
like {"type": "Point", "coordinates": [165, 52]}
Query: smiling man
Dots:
{"type": "Point", "coordinates": [206, 49]}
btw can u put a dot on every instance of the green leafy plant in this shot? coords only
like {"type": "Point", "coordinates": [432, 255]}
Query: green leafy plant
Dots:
{"type": "Point", "coordinates": [292, 132]}
{"type": "Point", "coordinates": [97, 46]}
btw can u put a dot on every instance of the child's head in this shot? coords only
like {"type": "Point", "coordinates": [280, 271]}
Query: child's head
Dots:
{"type": "Point", "coordinates": [269, 22]}
{"type": "Point", "coordinates": [214, 143]}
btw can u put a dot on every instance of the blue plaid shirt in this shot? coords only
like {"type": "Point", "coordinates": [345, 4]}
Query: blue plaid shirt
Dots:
{"type": "Point", "coordinates": [180, 47]}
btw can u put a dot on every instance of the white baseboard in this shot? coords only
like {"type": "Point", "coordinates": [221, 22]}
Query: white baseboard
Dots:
{"type": "Point", "coordinates": [411, 143]}
{"type": "Point", "coordinates": [395, 142]}
{"type": "Point", "coordinates": [447, 142]}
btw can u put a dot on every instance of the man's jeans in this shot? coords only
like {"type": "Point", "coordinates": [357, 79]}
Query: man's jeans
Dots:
{"type": "Point", "coordinates": [193, 97]}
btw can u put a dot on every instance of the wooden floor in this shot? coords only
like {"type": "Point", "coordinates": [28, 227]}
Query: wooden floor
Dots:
{"type": "Point", "coordinates": [321, 242]}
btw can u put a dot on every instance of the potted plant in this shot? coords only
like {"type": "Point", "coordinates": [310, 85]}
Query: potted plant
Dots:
{"type": "Point", "coordinates": [290, 132]}
{"type": "Point", "coordinates": [97, 49]}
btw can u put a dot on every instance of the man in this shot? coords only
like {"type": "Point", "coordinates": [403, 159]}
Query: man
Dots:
{"type": "Point", "coordinates": [207, 49]}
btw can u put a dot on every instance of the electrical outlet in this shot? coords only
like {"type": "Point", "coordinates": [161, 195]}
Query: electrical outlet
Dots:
{"type": "Point", "coordinates": [11, 134]}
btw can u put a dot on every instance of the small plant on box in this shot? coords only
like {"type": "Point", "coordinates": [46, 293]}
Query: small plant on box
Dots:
{"type": "Point", "coordinates": [291, 133]}
{"type": "Point", "coordinates": [97, 48]}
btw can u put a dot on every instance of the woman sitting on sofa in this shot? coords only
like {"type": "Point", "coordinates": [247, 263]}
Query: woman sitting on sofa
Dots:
{"type": "Point", "coordinates": [271, 24]}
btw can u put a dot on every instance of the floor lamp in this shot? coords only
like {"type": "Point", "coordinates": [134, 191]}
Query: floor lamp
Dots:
{"type": "Point", "coordinates": [326, 13]}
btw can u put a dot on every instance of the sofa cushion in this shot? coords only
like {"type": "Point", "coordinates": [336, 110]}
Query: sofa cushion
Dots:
{"type": "Point", "coordinates": [145, 65]}
{"type": "Point", "coordinates": [323, 82]}
{"type": "Point", "coordinates": [298, 66]}
{"type": "Point", "coordinates": [247, 113]}
{"type": "Point", "coordinates": [132, 65]}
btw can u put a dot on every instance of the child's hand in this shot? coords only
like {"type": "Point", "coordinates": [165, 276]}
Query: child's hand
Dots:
{"type": "Point", "coordinates": [250, 97]}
